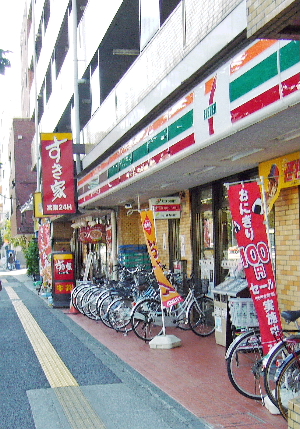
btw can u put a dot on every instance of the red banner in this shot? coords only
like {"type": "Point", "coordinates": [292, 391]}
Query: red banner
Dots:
{"type": "Point", "coordinates": [45, 249]}
{"type": "Point", "coordinates": [58, 174]}
{"type": "Point", "coordinates": [250, 227]}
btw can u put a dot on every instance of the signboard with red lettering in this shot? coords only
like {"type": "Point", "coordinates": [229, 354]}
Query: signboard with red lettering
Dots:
{"type": "Point", "coordinates": [63, 278]}
{"type": "Point", "coordinates": [166, 208]}
{"type": "Point", "coordinates": [251, 234]}
{"type": "Point", "coordinates": [62, 288]}
{"type": "Point", "coordinates": [58, 173]}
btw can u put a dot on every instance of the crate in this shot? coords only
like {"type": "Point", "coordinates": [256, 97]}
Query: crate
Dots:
{"type": "Point", "coordinates": [133, 248]}
{"type": "Point", "coordinates": [242, 312]}
{"type": "Point", "coordinates": [131, 260]}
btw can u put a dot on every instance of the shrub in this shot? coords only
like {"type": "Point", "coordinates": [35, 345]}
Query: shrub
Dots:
{"type": "Point", "coordinates": [32, 258]}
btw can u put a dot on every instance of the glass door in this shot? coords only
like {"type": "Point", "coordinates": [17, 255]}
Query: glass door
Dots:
{"type": "Point", "coordinates": [229, 251]}
{"type": "Point", "coordinates": [203, 234]}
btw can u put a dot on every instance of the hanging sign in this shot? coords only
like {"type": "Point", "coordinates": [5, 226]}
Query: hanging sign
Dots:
{"type": "Point", "coordinates": [169, 295]}
{"type": "Point", "coordinates": [279, 173]}
{"type": "Point", "coordinates": [58, 174]}
{"type": "Point", "coordinates": [166, 208]}
{"type": "Point", "coordinates": [251, 234]}
{"type": "Point", "coordinates": [92, 234]}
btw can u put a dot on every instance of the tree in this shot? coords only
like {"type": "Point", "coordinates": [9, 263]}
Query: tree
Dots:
{"type": "Point", "coordinates": [32, 258]}
{"type": "Point", "coordinates": [4, 62]}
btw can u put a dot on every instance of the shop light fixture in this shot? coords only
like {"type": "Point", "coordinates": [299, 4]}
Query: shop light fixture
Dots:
{"type": "Point", "coordinates": [165, 185]}
{"type": "Point", "coordinates": [291, 136]}
{"type": "Point", "coordinates": [239, 155]}
{"type": "Point", "coordinates": [200, 170]}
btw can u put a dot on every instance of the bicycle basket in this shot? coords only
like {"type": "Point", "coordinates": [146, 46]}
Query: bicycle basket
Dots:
{"type": "Point", "coordinates": [242, 312]}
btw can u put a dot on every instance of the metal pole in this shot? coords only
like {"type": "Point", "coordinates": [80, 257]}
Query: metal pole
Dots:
{"type": "Point", "coordinates": [76, 132]}
{"type": "Point", "coordinates": [114, 244]}
{"type": "Point", "coordinates": [36, 107]}
{"type": "Point", "coordinates": [161, 297]}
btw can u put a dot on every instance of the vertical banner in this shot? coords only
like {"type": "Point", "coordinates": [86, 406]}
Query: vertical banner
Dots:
{"type": "Point", "coordinates": [45, 249]}
{"type": "Point", "coordinates": [58, 174]}
{"type": "Point", "coordinates": [169, 296]}
{"type": "Point", "coordinates": [250, 227]}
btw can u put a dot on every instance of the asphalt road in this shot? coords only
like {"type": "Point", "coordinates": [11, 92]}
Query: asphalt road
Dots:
{"type": "Point", "coordinates": [54, 375]}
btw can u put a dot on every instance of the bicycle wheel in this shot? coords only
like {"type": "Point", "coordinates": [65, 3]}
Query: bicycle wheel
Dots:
{"type": "Point", "coordinates": [288, 383]}
{"type": "Point", "coordinates": [84, 299]}
{"type": "Point", "coordinates": [119, 314]}
{"type": "Point", "coordinates": [77, 293]}
{"type": "Point", "coordinates": [201, 316]}
{"type": "Point", "coordinates": [146, 319]}
{"type": "Point", "coordinates": [102, 307]}
{"type": "Point", "coordinates": [244, 365]}
{"type": "Point", "coordinates": [272, 363]}
{"type": "Point", "coordinates": [89, 308]}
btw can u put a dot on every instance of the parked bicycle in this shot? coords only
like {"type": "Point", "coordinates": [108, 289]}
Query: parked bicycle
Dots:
{"type": "Point", "coordinates": [128, 290]}
{"type": "Point", "coordinates": [287, 376]}
{"type": "Point", "coordinates": [120, 310]}
{"type": "Point", "coordinates": [195, 312]}
{"type": "Point", "coordinates": [254, 374]}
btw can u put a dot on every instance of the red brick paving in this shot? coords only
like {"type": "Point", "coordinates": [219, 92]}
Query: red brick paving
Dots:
{"type": "Point", "coordinates": [193, 374]}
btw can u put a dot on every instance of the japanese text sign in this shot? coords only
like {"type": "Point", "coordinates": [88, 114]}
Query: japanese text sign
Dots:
{"type": "Point", "coordinates": [279, 173]}
{"type": "Point", "coordinates": [249, 224]}
{"type": "Point", "coordinates": [169, 295]}
{"type": "Point", "coordinates": [58, 174]}
{"type": "Point", "coordinates": [63, 288]}
{"type": "Point", "coordinates": [63, 266]}
{"type": "Point", "coordinates": [166, 208]}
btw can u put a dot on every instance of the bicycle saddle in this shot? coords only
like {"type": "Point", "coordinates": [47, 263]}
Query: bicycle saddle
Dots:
{"type": "Point", "coordinates": [290, 316]}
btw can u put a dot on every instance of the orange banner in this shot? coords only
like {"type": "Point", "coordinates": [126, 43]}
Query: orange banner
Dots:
{"type": "Point", "coordinates": [168, 294]}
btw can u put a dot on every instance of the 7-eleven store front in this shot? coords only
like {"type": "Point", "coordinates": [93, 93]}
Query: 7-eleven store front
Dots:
{"type": "Point", "coordinates": [193, 135]}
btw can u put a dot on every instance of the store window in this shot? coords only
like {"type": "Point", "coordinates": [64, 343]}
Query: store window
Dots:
{"type": "Point", "coordinates": [173, 238]}
{"type": "Point", "coordinates": [214, 245]}
{"type": "Point", "coordinates": [229, 251]}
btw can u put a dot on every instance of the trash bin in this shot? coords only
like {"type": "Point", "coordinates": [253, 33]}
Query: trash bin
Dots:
{"type": "Point", "coordinates": [18, 265]}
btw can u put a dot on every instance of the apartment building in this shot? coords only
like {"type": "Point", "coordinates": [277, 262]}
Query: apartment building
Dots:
{"type": "Point", "coordinates": [22, 181]}
{"type": "Point", "coordinates": [169, 100]}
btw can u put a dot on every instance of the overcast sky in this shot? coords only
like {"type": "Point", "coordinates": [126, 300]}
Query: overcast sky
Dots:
{"type": "Point", "coordinates": [10, 34]}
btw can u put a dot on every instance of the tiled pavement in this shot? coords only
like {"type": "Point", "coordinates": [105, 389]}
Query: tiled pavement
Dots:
{"type": "Point", "coordinates": [193, 374]}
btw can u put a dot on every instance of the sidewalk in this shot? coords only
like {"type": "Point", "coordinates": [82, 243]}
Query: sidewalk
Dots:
{"type": "Point", "coordinates": [193, 374]}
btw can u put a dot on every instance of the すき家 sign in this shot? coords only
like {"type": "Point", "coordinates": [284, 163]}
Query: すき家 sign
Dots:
{"type": "Point", "coordinates": [58, 174]}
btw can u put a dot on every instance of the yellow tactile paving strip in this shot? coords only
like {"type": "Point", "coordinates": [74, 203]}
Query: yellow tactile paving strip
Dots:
{"type": "Point", "coordinates": [76, 407]}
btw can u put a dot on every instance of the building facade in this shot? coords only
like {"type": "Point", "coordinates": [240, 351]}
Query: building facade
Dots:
{"type": "Point", "coordinates": [169, 99]}
{"type": "Point", "coordinates": [22, 179]}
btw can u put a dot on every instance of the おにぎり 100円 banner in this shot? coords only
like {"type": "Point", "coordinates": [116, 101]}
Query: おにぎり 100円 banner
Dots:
{"type": "Point", "coordinates": [250, 227]}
